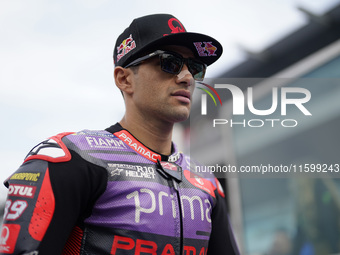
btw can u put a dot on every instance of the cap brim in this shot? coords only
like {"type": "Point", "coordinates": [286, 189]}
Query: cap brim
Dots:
{"type": "Point", "coordinates": [205, 48]}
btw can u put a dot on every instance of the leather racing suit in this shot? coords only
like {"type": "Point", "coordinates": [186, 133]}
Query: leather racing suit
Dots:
{"type": "Point", "coordinates": [104, 192]}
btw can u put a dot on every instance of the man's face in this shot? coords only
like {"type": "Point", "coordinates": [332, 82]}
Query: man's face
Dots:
{"type": "Point", "coordinates": [162, 95]}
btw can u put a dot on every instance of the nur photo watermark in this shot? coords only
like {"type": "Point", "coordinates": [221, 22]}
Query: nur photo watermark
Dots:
{"type": "Point", "coordinates": [240, 100]}
{"type": "Point", "coordinates": [276, 128]}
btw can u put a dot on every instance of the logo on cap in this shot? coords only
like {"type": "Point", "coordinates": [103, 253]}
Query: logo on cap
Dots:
{"type": "Point", "coordinates": [125, 47]}
{"type": "Point", "coordinates": [176, 26]}
{"type": "Point", "coordinates": [205, 49]}
{"type": "Point", "coordinates": [178, 29]}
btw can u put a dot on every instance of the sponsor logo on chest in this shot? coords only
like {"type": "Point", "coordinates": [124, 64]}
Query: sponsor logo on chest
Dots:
{"type": "Point", "coordinates": [100, 143]}
{"type": "Point", "coordinates": [132, 171]}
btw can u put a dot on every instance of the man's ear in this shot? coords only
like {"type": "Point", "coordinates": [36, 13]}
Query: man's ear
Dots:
{"type": "Point", "coordinates": [124, 79]}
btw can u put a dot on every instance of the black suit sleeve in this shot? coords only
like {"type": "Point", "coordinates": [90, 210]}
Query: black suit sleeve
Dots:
{"type": "Point", "coordinates": [46, 200]}
{"type": "Point", "coordinates": [222, 241]}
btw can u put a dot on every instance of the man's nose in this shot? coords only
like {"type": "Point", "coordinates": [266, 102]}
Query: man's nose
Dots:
{"type": "Point", "coordinates": [185, 76]}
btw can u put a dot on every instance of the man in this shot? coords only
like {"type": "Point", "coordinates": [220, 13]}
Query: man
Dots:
{"type": "Point", "coordinates": [126, 189]}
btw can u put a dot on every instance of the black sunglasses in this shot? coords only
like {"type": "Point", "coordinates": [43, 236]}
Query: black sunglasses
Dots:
{"type": "Point", "coordinates": [172, 62]}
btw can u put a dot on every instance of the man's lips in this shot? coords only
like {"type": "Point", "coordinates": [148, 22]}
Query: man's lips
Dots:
{"type": "Point", "coordinates": [182, 95]}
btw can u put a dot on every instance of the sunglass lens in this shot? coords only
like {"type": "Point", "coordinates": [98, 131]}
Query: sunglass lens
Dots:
{"type": "Point", "coordinates": [171, 63]}
{"type": "Point", "coordinates": [197, 69]}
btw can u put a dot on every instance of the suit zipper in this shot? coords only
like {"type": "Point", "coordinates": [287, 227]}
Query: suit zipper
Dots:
{"type": "Point", "coordinates": [173, 184]}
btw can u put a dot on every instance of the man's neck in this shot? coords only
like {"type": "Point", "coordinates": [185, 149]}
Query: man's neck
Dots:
{"type": "Point", "coordinates": [155, 135]}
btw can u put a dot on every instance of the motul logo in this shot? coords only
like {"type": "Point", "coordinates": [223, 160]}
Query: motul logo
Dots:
{"type": "Point", "coordinates": [21, 190]}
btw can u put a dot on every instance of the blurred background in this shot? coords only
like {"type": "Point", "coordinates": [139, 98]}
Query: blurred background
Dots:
{"type": "Point", "coordinates": [56, 75]}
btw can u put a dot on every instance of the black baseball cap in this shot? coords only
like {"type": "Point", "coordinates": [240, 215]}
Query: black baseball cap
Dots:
{"type": "Point", "coordinates": [154, 31]}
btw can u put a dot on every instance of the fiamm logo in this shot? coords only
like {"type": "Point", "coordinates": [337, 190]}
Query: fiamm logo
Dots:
{"type": "Point", "coordinates": [204, 97]}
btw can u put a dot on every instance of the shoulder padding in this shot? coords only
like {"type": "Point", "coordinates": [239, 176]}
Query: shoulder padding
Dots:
{"type": "Point", "coordinates": [51, 150]}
